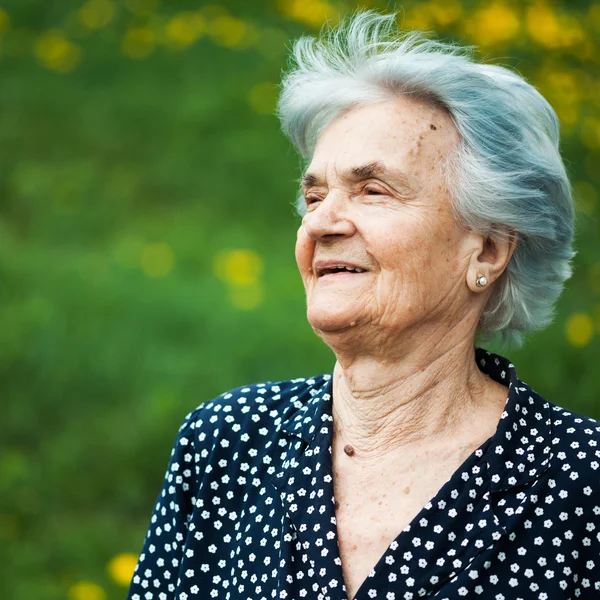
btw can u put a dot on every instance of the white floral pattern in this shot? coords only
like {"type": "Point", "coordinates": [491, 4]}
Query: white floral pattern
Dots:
{"type": "Point", "coordinates": [247, 508]}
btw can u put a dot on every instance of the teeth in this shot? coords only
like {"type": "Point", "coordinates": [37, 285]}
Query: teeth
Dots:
{"type": "Point", "coordinates": [343, 267]}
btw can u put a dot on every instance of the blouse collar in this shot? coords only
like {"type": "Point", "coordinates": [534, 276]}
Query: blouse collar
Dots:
{"type": "Point", "coordinates": [517, 453]}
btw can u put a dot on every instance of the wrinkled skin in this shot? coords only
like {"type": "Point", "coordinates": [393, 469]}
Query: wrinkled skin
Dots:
{"type": "Point", "coordinates": [421, 263]}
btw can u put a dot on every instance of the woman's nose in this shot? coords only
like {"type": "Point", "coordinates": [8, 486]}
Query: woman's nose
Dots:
{"type": "Point", "coordinates": [329, 218]}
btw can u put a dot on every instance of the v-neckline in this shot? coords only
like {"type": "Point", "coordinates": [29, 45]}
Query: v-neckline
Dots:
{"type": "Point", "coordinates": [474, 461]}
{"type": "Point", "coordinates": [402, 542]}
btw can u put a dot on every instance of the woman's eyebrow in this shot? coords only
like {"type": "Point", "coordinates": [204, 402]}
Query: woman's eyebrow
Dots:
{"type": "Point", "coordinates": [379, 169]}
{"type": "Point", "coordinates": [366, 171]}
{"type": "Point", "coordinates": [309, 180]}
{"type": "Point", "coordinates": [369, 170]}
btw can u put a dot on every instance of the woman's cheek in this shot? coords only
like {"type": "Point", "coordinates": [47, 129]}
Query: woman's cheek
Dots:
{"type": "Point", "coordinates": [304, 253]}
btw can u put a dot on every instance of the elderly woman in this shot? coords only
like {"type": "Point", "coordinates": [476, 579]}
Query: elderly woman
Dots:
{"type": "Point", "coordinates": [436, 208]}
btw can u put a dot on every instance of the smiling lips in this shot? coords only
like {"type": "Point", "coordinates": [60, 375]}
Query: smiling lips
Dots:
{"type": "Point", "coordinates": [330, 267]}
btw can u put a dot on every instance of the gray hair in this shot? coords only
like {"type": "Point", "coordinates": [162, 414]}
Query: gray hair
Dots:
{"type": "Point", "coordinates": [506, 174]}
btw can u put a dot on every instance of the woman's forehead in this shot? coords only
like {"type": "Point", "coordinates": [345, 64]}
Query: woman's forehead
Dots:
{"type": "Point", "coordinates": [404, 133]}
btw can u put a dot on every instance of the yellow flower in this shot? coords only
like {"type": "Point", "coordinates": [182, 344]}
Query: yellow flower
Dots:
{"type": "Point", "coordinates": [446, 13]}
{"type": "Point", "coordinates": [493, 24]}
{"type": "Point", "coordinates": [551, 30]}
{"type": "Point", "coordinates": [121, 567]}
{"type": "Point", "coordinates": [310, 12]}
{"type": "Point", "coordinates": [86, 590]}
{"type": "Point", "coordinates": [565, 90]}
{"type": "Point", "coordinates": [572, 32]}
{"type": "Point", "coordinates": [241, 269]}
{"type": "Point", "coordinates": [579, 329]}
{"type": "Point", "coordinates": [542, 25]}
{"type": "Point", "coordinates": [238, 267]}
{"type": "Point", "coordinates": [138, 42]}
{"type": "Point", "coordinates": [184, 29]}
{"type": "Point", "coordinates": [231, 32]}
{"type": "Point", "coordinates": [263, 98]}
{"type": "Point", "coordinates": [56, 52]}
{"type": "Point", "coordinates": [157, 260]}
{"type": "Point", "coordinates": [427, 14]}
{"type": "Point", "coordinates": [419, 17]}
{"type": "Point", "coordinates": [96, 14]}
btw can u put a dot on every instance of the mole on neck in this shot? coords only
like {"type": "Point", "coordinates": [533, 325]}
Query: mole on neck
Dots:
{"type": "Point", "coordinates": [348, 449]}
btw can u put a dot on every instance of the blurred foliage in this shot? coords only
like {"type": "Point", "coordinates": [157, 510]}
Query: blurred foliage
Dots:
{"type": "Point", "coordinates": [146, 245]}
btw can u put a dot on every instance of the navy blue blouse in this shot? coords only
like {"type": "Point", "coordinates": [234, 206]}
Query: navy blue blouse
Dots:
{"type": "Point", "coordinates": [247, 508]}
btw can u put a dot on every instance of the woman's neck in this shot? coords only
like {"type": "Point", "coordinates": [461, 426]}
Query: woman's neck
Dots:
{"type": "Point", "coordinates": [432, 396]}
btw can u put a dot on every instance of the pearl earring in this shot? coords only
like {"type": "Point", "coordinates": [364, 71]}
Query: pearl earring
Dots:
{"type": "Point", "coordinates": [481, 280]}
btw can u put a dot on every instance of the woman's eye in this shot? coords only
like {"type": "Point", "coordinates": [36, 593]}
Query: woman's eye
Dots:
{"type": "Point", "coordinates": [373, 192]}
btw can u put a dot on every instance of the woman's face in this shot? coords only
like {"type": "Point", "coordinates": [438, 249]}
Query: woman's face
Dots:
{"type": "Point", "coordinates": [377, 201]}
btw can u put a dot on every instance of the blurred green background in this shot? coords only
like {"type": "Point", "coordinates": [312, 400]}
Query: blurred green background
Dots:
{"type": "Point", "coordinates": [146, 246]}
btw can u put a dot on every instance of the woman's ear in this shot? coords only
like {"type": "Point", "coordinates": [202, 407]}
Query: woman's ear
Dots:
{"type": "Point", "coordinates": [490, 259]}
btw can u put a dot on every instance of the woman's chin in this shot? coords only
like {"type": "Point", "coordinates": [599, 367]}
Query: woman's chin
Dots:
{"type": "Point", "coordinates": [330, 319]}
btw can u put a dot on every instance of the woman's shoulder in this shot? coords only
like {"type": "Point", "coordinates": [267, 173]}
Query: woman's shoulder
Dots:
{"type": "Point", "coordinates": [575, 453]}
{"type": "Point", "coordinates": [573, 428]}
{"type": "Point", "coordinates": [258, 408]}
{"type": "Point", "coordinates": [574, 434]}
